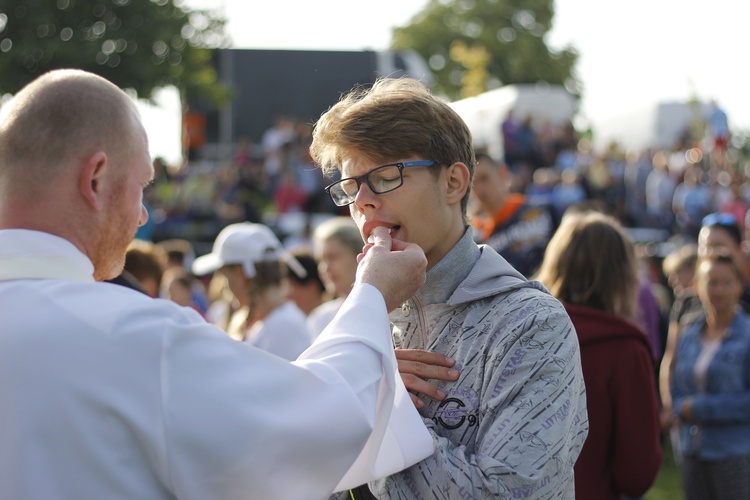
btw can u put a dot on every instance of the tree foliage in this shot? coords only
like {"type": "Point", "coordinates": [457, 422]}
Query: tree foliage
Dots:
{"type": "Point", "coordinates": [137, 44]}
{"type": "Point", "coordinates": [476, 45]}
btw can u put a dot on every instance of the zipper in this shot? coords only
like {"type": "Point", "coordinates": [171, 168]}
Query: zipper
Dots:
{"type": "Point", "coordinates": [412, 305]}
{"type": "Point", "coordinates": [421, 322]}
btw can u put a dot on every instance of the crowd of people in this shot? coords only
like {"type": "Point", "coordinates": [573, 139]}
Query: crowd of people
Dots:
{"type": "Point", "coordinates": [547, 347]}
{"type": "Point", "coordinates": [258, 183]}
{"type": "Point", "coordinates": [669, 189]}
{"type": "Point", "coordinates": [656, 202]}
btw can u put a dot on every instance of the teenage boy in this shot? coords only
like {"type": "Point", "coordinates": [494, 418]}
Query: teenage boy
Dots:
{"type": "Point", "coordinates": [514, 422]}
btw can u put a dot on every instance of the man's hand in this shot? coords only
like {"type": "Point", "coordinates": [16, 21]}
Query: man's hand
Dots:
{"type": "Point", "coordinates": [416, 366]}
{"type": "Point", "coordinates": [395, 268]}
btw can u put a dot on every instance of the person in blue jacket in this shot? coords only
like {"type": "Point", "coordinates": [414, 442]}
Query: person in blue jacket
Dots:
{"type": "Point", "coordinates": [711, 386]}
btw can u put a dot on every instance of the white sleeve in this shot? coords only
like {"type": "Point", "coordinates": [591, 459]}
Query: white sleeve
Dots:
{"type": "Point", "coordinates": [399, 438]}
{"type": "Point", "coordinates": [239, 423]}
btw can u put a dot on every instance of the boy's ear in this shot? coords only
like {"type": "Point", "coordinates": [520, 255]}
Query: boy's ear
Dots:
{"type": "Point", "coordinates": [91, 180]}
{"type": "Point", "coordinates": [457, 178]}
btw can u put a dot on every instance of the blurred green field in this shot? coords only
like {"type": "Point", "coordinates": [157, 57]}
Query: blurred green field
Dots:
{"type": "Point", "coordinates": [667, 485]}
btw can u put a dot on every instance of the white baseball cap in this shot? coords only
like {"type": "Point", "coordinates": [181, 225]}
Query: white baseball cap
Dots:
{"type": "Point", "coordinates": [245, 243]}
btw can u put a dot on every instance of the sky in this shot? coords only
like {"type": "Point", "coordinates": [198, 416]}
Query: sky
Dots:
{"type": "Point", "coordinates": [632, 54]}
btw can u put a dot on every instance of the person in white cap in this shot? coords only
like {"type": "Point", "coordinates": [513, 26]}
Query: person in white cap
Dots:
{"type": "Point", "coordinates": [253, 260]}
{"type": "Point", "coordinates": [106, 393]}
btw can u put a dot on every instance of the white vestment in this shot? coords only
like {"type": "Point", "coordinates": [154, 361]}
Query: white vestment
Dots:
{"type": "Point", "coordinates": [106, 393]}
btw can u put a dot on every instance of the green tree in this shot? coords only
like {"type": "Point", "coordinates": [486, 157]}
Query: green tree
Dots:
{"type": "Point", "coordinates": [500, 41]}
{"type": "Point", "coordinates": [137, 44]}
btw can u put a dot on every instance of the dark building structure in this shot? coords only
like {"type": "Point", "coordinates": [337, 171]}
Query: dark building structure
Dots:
{"type": "Point", "coordinates": [296, 83]}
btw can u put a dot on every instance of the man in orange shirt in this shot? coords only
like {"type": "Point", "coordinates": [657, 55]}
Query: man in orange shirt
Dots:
{"type": "Point", "coordinates": [516, 229]}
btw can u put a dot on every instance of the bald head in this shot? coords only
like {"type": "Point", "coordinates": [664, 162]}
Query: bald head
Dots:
{"type": "Point", "coordinates": [73, 163]}
{"type": "Point", "coordinates": [59, 120]}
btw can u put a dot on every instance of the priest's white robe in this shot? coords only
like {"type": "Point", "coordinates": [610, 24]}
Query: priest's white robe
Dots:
{"type": "Point", "coordinates": [107, 393]}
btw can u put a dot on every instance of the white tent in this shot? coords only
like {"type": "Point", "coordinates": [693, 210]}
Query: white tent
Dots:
{"type": "Point", "coordinates": [485, 113]}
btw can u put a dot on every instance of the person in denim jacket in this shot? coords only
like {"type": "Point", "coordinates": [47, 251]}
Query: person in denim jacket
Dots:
{"type": "Point", "coordinates": [711, 386]}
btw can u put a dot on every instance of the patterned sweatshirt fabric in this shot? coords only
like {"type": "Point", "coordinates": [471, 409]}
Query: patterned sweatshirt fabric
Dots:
{"type": "Point", "coordinates": [514, 423]}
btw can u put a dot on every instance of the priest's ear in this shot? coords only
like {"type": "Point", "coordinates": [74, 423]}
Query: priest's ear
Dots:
{"type": "Point", "coordinates": [91, 180]}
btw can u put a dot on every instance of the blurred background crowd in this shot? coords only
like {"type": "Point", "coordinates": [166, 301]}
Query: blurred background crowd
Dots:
{"type": "Point", "coordinates": [660, 194]}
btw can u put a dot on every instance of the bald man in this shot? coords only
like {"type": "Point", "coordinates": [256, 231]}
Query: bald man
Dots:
{"type": "Point", "coordinates": [107, 393]}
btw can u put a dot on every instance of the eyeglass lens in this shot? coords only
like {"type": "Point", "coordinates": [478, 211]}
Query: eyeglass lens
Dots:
{"type": "Point", "coordinates": [381, 180]}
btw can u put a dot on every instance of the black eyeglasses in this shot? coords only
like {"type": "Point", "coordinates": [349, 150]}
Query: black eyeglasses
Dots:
{"type": "Point", "coordinates": [380, 180]}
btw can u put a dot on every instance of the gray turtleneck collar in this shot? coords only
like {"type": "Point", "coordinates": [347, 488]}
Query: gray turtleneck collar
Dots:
{"type": "Point", "coordinates": [444, 278]}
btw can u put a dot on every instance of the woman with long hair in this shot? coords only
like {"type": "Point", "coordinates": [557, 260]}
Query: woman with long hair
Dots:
{"type": "Point", "coordinates": [591, 267]}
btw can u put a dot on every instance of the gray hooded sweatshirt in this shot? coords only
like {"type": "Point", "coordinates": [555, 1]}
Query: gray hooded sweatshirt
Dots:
{"type": "Point", "coordinates": [513, 424]}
